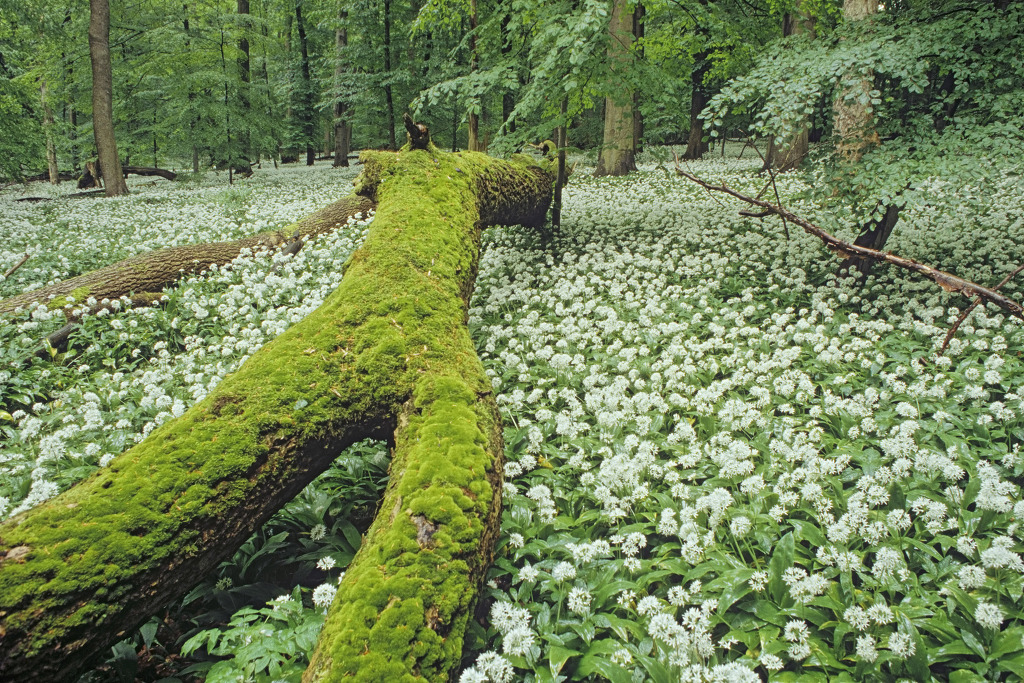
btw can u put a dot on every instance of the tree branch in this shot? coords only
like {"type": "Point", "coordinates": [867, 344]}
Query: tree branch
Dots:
{"type": "Point", "coordinates": [974, 304]}
{"type": "Point", "coordinates": [949, 282]}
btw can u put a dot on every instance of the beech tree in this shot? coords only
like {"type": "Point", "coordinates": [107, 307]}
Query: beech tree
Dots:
{"type": "Point", "coordinates": [103, 98]}
{"type": "Point", "coordinates": [618, 149]}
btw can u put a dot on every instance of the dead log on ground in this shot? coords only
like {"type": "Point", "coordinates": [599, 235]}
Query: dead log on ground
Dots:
{"type": "Point", "coordinates": [155, 270]}
{"type": "Point", "coordinates": [387, 352]}
{"type": "Point", "coordinates": [148, 171]}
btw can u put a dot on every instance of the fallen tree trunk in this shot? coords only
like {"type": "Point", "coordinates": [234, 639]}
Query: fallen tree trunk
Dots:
{"type": "Point", "coordinates": [387, 353]}
{"type": "Point", "coordinates": [148, 171]}
{"type": "Point", "coordinates": [154, 270]}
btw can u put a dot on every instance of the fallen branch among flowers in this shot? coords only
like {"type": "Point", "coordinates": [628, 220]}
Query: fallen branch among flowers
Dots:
{"type": "Point", "coordinates": [949, 282]}
{"type": "Point", "coordinates": [152, 271]}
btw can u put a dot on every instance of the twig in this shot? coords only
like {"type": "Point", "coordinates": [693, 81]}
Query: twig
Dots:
{"type": "Point", "coordinates": [778, 200]}
{"type": "Point", "coordinates": [676, 157]}
{"type": "Point", "coordinates": [974, 304]}
{"type": "Point", "coordinates": [17, 265]}
{"type": "Point", "coordinates": [949, 282]}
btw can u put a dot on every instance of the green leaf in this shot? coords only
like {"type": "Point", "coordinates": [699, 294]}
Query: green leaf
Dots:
{"type": "Point", "coordinates": [594, 661]}
{"type": "Point", "coordinates": [558, 656]}
{"type": "Point", "coordinates": [782, 559]}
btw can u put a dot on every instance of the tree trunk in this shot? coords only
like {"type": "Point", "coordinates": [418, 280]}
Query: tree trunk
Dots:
{"type": "Point", "coordinates": [103, 98]}
{"type": "Point", "coordinates": [508, 97]}
{"type": "Point", "coordinates": [854, 118]}
{"type": "Point", "coordinates": [245, 77]}
{"type": "Point", "coordinates": [789, 155]}
{"type": "Point", "coordinates": [307, 86]}
{"type": "Point", "coordinates": [342, 133]}
{"type": "Point", "coordinates": [389, 99]}
{"type": "Point", "coordinates": [153, 271]}
{"type": "Point", "coordinates": [639, 15]}
{"type": "Point", "coordinates": [696, 146]}
{"type": "Point", "coordinates": [387, 352]}
{"type": "Point", "coordinates": [618, 154]}
{"type": "Point", "coordinates": [872, 237]}
{"type": "Point", "coordinates": [149, 171]}
{"type": "Point", "coordinates": [561, 139]}
{"type": "Point", "coordinates": [51, 151]}
{"type": "Point", "coordinates": [474, 144]}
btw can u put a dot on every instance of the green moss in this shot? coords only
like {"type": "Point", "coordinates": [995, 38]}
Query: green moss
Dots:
{"type": "Point", "coordinates": [402, 609]}
{"type": "Point", "coordinates": [77, 295]}
{"type": "Point", "coordinates": [393, 331]}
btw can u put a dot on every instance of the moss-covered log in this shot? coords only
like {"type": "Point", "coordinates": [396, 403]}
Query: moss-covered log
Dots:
{"type": "Point", "coordinates": [387, 352]}
{"type": "Point", "coordinates": [155, 270]}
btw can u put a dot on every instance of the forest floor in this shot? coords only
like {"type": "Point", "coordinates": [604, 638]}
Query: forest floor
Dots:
{"type": "Point", "coordinates": [724, 463]}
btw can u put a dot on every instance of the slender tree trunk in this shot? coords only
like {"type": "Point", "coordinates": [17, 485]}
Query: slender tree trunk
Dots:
{"type": "Point", "coordinates": [618, 153]}
{"type": "Point", "coordinates": [561, 139]}
{"type": "Point", "coordinates": [388, 94]}
{"type": "Point", "coordinates": [788, 155]}
{"type": "Point", "coordinates": [854, 117]}
{"type": "Point", "coordinates": [103, 98]}
{"type": "Point", "coordinates": [474, 144]}
{"type": "Point", "coordinates": [51, 149]}
{"type": "Point", "coordinates": [696, 146]}
{"type": "Point", "coordinates": [342, 133]}
{"type": "Point", "coordinates": [245, 78]}
{"type": "Point", "coordinates": [307, 86]}
{"type": "Point", "coordinates": [508, 97]}
{"type": "Point", "coordinates": [227, 112]}
{"type": "Point", "coordinates": [639, 15]}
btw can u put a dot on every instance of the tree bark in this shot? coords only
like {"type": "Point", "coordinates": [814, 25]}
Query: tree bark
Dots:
{"type": "Point", "coordinates": [561, 140]}
{"type": "Point", "coordinates": [508, 97]}
{"type": "Point", "coordinates": [53, 172]}
{"type": "Point", "coordinates": [854, 118]}
{"type": "Point", "coordinates": [155, 270]}
{"type": "Point", "coordinates": [474, 143]}
{"type": "Point", "coordinates": [639, 27]}
{"type": "Point", "coordinates": [387, 352]}
{"type": "Point", "coordinates": [696, 146]}
{"type": "Point", "coordinates": [618, 152]}
{"type": "Point", "coordinates": [149, 171]}
{"type": "Point", "coordinates": [103, 98]}
{"type": "Point", "coordinates": [245, 77]}
{"type": "Point", "coordinates": [342, 131]}
{"type": "Point", "coordinates": [789, 155]}
{"type": "Point", "coordinates": [307, 86]}
{"type": "Point", "coordinates": [874, 236]}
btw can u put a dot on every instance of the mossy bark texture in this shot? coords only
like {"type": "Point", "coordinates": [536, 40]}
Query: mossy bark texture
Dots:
{"type": "Point", "coordinates": [387, 353]}
{"type": "Point", "coordinates": [155, 270]}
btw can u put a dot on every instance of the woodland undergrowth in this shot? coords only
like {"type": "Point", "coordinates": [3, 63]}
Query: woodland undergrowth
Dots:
{"type": "Point", "coordinates": [724, 463]}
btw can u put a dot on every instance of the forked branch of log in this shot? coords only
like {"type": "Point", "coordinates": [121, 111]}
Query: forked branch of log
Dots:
{"type": "Point", "coordinates": [388, 353]}
{"type": "Point", "coordinates": [844, 249]}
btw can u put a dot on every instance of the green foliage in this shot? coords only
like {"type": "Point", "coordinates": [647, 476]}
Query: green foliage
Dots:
{"type": "Point", "coordinates": [264, 644]}
{"type": "Point", "coordinates": [946, 96]}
